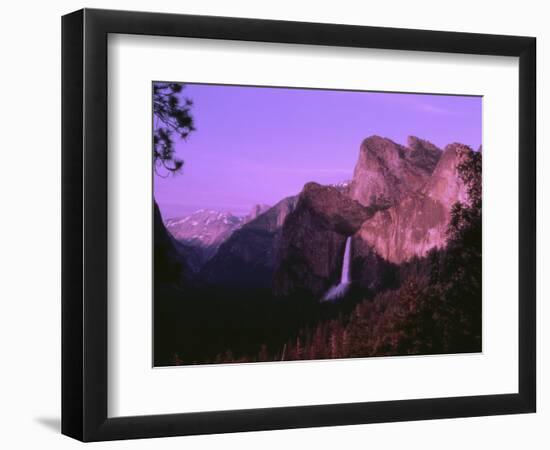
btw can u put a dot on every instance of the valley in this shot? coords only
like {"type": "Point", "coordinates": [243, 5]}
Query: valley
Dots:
{"type": "Point", "coordinates": [385, 263]}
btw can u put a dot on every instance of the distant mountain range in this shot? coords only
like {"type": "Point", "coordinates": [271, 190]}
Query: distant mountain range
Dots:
{"type": "Point", "coordinates": [204, 228]}
{"type": "Point", "coordinates": [249, 256]}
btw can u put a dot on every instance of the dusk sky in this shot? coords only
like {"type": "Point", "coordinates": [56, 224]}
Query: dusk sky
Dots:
{"type": "Point", "coordinates": [258, 145]}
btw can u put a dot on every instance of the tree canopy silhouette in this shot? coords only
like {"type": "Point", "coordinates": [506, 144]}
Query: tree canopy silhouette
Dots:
{"type": "Point", "coordinates": [171, 116]}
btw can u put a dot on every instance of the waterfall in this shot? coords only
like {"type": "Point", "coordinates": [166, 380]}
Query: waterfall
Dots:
{"type": "Point", "coordinates": [345, 263]}
{"type": "Point", "coordinates": [341, 288]}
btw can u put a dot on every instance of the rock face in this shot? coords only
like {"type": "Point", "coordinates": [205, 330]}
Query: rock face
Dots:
{"type": "Point", "coordinates": [445, 184]}
{"type": "Point", "coordinates": [333, 209]}
{"type": "Point", "coordinates": [418, 222]}
{"type": "Point", "coordinates": [412, 227]}
{"type": "Point", "coordinates": [313, 240]}
{"type": "Point", "coordinates": [255, 212]}
{"type": "Point", "coordinates": [248, 257]}
{"type": "Point", "coordinates": [423, 154]}
{"type": "Point", "coordinates": [368, 269]}
{"type": "Point", "coordinates": [385, 171]}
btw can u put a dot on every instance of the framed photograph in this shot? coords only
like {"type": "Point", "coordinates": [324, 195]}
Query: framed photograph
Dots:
{"type": "Point", "coordinates": [273, 224]}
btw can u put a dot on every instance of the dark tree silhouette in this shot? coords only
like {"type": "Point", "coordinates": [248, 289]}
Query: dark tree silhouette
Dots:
{"type": "Point", "coordinates": [171, 115]}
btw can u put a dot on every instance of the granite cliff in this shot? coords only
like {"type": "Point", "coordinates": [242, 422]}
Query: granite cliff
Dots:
{"type": "Point", "coordinates": [417, 222]}
{"type": "Point", "coordinates": [313, 240]}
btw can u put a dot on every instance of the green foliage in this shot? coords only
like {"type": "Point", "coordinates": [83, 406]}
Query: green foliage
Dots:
{"type": "Point", "coordinates": [171, 115]}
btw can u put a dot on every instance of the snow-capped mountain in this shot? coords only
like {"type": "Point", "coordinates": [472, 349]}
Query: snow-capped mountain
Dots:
{"type": "Point", "coordinates": [342, 186]}
{"type": "Point", "coordinates": [204, 228]}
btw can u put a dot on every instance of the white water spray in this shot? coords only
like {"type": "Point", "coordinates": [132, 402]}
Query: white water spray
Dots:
{"type": "Point", "coordinates": [341, 288]}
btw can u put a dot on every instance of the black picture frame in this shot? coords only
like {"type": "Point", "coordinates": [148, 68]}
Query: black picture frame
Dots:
{"type": "Point", "coordinates": [84, 224]}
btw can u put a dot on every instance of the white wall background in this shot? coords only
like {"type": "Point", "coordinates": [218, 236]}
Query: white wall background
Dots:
{"type": "Point", "coordinates": [30, 226]}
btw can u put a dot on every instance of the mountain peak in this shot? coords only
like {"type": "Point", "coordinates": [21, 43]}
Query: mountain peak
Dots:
{"type": "Point", "coordinates": [204, 227]}
{"type": "Point", "coordinates": [256, 211]}
{"type": "Point", "coordinates": [423, 154]}
{"type": "Point", "coordinates": [384, 173]}
{"type": "Point", "coordinates": [418, 221]}
{"type": "Point", "coordinates": [414, 142]}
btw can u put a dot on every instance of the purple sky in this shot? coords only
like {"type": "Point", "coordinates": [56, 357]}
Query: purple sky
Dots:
{"type": "Point", "coordinates": [258, 145]}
